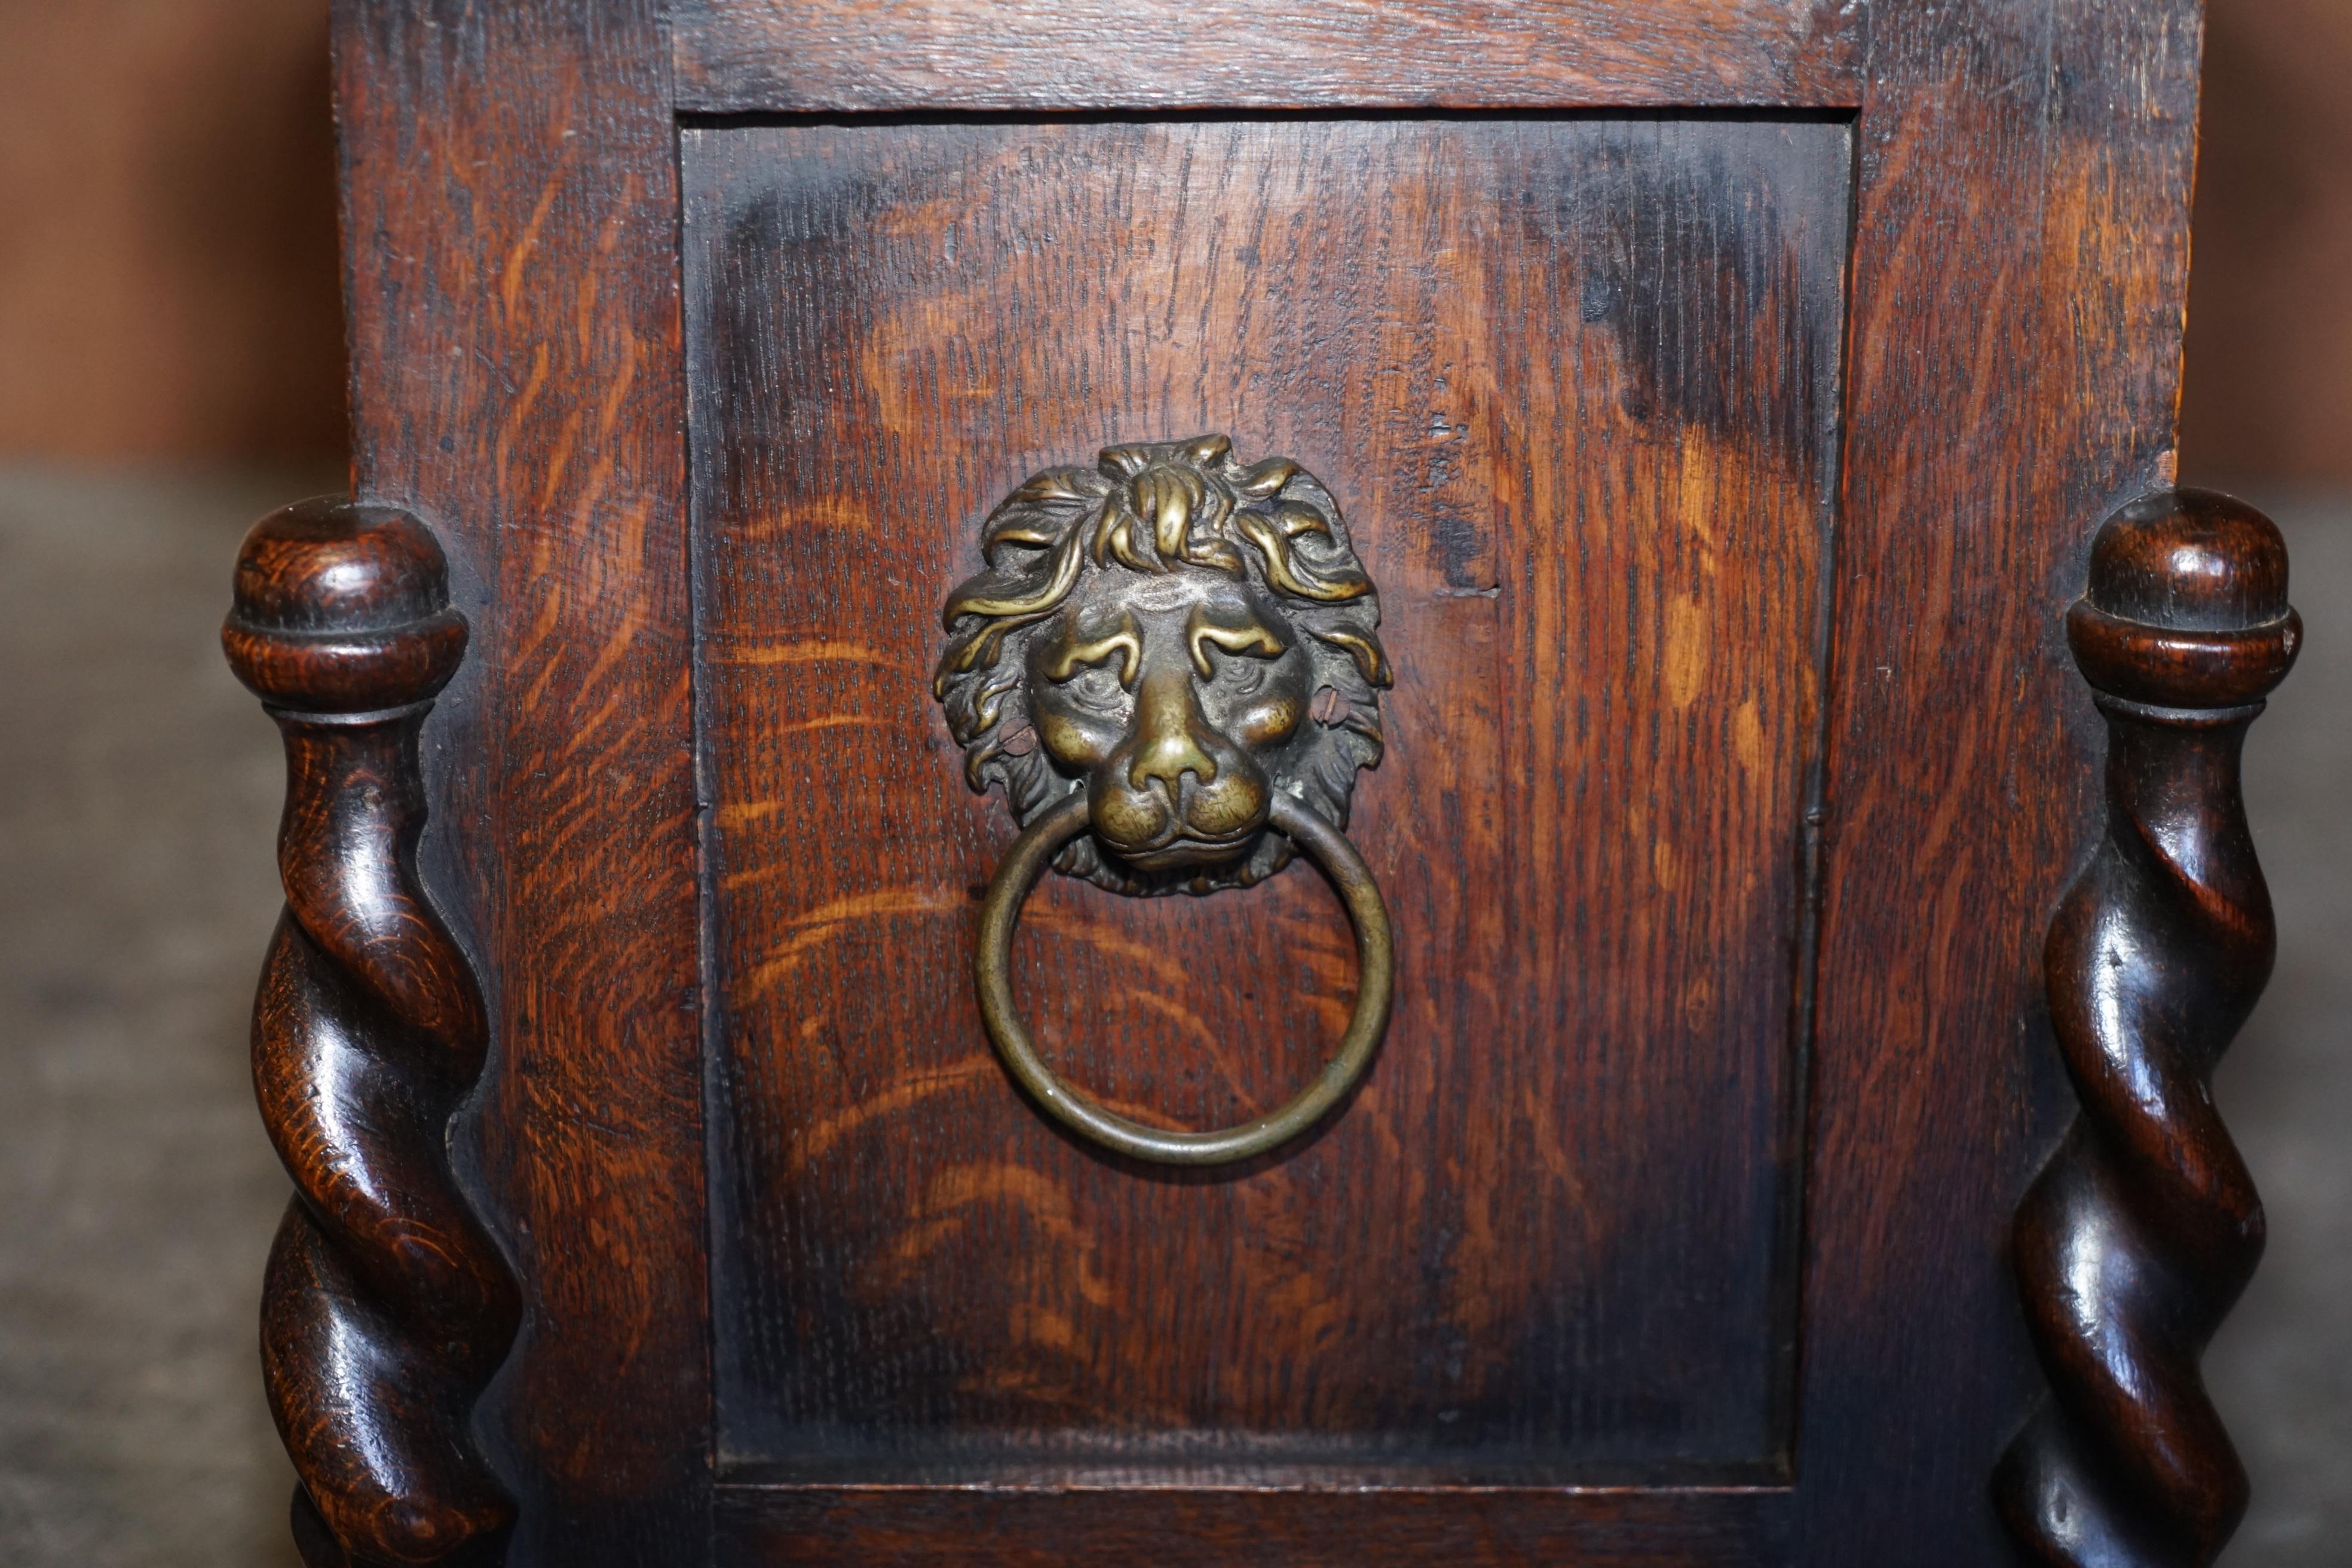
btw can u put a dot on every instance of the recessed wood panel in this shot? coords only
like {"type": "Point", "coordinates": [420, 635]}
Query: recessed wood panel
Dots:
{"type": "Point", "coordinates": [1573, 383]}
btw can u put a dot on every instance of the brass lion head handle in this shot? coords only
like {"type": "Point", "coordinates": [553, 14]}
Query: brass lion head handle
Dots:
{"type": "Point", "coordinates": [1172, 666]}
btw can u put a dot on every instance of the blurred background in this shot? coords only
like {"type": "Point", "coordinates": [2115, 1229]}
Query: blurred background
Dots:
{"type": "Point", "coordinates": [171, 366]}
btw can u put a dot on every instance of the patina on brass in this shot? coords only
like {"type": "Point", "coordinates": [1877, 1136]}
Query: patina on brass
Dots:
{"type": "Point", "coordinates": [1172, 666]}
{"type": "Point", "coordinates": [1375, 958]}
{"type": "Point", "coordinates": [1183, 636]}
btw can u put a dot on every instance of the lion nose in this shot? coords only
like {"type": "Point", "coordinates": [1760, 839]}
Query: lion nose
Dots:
{"type": "Point", "coordinates": [1167, 725]}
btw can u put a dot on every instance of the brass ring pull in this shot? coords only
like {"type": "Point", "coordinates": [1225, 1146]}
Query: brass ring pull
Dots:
{"type": "Point", "coordinates": [1018, 873]}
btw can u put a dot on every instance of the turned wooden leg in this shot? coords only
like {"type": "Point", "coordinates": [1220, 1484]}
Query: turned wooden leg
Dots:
{"type": "Point", "coordinates": [2136, 1239]}
{"type": "Point", "coordinates": [387, 1306]}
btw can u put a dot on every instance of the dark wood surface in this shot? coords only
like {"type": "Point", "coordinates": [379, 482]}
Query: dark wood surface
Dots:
{"type": "Point", "coordinates": [509, 215]}
{"type": "Point", "coordinates": [1573, 383]}
{"type": "Point", "coordinates": [386, 1307]}
{"type": "Point", "coordinates": [2012, 280]}
{"type": "Point", "coordinates": [1039, 1528]}
{"type": "Point", "coordinates": [2139, 1234]}
{"type": "Point", "coordinates": [866, 57]}
{"type": "Point", "coordinates": [2021, 252]}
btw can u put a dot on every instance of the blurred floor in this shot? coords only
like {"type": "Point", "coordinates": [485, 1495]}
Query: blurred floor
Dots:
{"type": "Point", "coordinates": [2281, 1368]}
{"type": "Point", "coordinates": [138, 788]}
{"type": "Point", "coordinates": [139, 791]}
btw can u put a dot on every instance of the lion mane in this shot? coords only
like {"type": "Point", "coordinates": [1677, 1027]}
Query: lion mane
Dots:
{"type": "Point", "coordinates": [1159, 507]}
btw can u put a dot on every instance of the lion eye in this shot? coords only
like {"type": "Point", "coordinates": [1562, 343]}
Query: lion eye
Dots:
{"type": "Point", "coordinates": [1241, 673]}
{"type": "Point", "coordinates": [1096, 687]}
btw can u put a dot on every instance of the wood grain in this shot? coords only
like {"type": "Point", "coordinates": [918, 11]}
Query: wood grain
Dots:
{"type": "Point", "coordinates": [386, 1307]}
{"type": "Point", "coordinates": [896, 1528]}
{"type": "Point", "coordinates": [1572, 382]}
{"type": "Point", "coordinates": [2019, 258]}
{"type": "Point", "coordinates": [869, 57]}
{"type": "Point", "coordinates": [1576, 382]}
{"type": "Point", "coordinates": [2138, 1237]}
{"type": "Point", "coordinates": [510, 203]}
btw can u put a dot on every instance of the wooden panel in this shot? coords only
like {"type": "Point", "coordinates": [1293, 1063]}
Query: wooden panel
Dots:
{"type": "Point", "coordinates": [510, 213]}
{"type": "Point", "coordinates": [2019, 258]}
{"type": "Point", "coordinates": [1573, 382]}
{"type": "Point", "coordinates": [863, 56]}
{"type": "Point", "coordinates": [825, 1527]}
{"type": "Point", "coordinates": [2021, 240]}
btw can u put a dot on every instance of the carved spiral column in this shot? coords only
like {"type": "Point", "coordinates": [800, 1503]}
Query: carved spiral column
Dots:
{"type": "Point", "coordinates": [387, 1306]}
{"type": "Point", "coordinates": [2136, 1240]}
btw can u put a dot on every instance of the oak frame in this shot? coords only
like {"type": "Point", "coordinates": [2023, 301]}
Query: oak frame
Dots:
{"type": "Point", "coordinates": [511, 278]}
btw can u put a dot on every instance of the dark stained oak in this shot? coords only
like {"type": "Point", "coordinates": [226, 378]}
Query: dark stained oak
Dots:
{"type": "Point", "coordinates": [509, 207]}
{"type": "Point", "coordinates": [1041, 1528]}
{"type": "Point", "coordinates": [868, 57]}
{"type": "Point", "coordinates": [387, 1306]}
{"type": "Point", "coordinates": [2020, 253]}
{"type": "Point", "coordinates": [1570, 382]}
{"type": "Point", "coordinates": [1721, 392]}
{"type": "Point", "coordinates": [2143, 1227]}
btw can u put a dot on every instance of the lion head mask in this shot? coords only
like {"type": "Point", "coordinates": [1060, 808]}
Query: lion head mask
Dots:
{"type": "Point", "coordinates": [1178, 634]}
